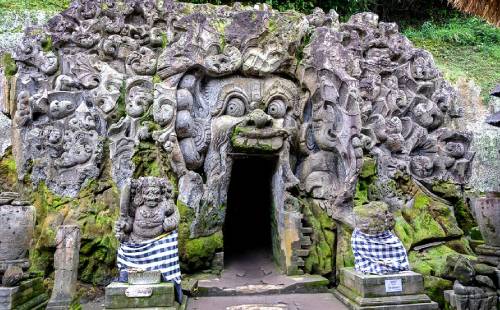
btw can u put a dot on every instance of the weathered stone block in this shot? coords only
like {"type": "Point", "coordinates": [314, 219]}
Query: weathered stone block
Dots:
{"type": "Point", "coordinates": [393, 291]}
{"type": "Point", "coordinates": [155, 295]}
{"type": "Point", "coordinates": [366, 285]}
{"type": "Point", "coordinates": [28, 295]}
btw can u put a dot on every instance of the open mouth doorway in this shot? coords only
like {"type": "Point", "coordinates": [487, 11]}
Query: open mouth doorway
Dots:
{"type": "Point", "coordinates": [248, 223]}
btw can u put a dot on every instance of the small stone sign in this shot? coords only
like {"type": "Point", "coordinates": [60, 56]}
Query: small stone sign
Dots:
{"type": "Point", "coordinates": [139, 291]}
{"type": "Point", "coordinates": [393, 285]}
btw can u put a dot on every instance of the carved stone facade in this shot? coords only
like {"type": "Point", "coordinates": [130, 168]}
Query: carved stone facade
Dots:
{"type": "Point", "coordinates": [205, 83]}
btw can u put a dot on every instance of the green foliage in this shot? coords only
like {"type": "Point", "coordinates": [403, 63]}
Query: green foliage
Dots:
{"type": "Point", "coordinates": [46, 5]}
{"type": "Point", "coordinates": [320, 259]}
{"type": "Point", "coordinates": [8, 172]}
{"type": "Point", "coordinates": [462, 47]}
{"type": "Point", "coordinates": [9, 65]}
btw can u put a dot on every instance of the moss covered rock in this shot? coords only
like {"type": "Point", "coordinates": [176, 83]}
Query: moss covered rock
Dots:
{"type": "Point", "coordinates": [8, 172]}
{"type": "Point", "coordinates": [321, 256]}
{"type": "Point", "coordinates": [424, 220]}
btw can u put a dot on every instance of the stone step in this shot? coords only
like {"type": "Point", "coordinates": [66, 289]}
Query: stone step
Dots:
{"type": "Point", "coordinates": [306, 230]}
{"type": "Point", "coordinates": [305, 241]}
{"type": "Point", "coordinates": [299, 262]}
{"type": "Point", "coordinates": [302, 252]}
{"type": "Point", "coordinates": [280, 285]}
{"type": "Point", "coordinates": [321, 301]}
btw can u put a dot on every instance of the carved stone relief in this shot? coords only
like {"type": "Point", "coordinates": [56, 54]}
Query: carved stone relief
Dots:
{"type": "Point", "coordinates": [205, 82]}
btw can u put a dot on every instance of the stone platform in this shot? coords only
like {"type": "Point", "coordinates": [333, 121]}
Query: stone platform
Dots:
{"type": "Point", "coordinates": [29, 295]}
{"type": "Point", "coordinates": [397, 291]}
{"type": "Point", "coordinates": [125, 296]}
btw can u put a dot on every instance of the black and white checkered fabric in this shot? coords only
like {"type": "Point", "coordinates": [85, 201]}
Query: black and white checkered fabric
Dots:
{"type": "Point", "coordinates": [378, 254]}
{"type": "Point", "coordinates": [158, 254]}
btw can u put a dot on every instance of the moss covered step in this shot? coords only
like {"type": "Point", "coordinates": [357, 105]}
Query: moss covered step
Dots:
{"type": "Point", "coordinates": [158, 296]}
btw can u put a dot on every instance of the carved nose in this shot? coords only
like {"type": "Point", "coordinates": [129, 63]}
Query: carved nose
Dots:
{"type": "Point", "coordinates": [260, 118]}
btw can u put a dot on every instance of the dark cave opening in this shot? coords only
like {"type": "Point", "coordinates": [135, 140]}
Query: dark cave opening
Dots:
{"type": "Point", "coordinates": [247, 227]}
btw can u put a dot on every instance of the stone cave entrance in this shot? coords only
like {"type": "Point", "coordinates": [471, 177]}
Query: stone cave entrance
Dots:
{"type": "Point", "coordinates": [248, 229]}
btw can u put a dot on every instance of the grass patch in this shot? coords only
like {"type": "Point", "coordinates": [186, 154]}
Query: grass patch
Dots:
{"type": "Point", "coordinates": [462, 47]}
{"type": "Point", "coordinates": [46, 5]}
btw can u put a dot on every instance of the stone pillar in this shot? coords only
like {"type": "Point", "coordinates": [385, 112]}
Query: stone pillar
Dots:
{"type": "Point", "coordinates": [66, 260]}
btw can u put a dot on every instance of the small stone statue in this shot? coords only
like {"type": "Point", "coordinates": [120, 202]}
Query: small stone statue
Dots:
{"type": "Point", "coordinates": [146, 230]}
{"type": "Point", "coordinates": [147, 210]}
{"type": "Point", "coordinates": [376, 250]}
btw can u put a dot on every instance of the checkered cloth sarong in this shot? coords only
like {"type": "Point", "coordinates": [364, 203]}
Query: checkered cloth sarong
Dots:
{"type": "Point", "coordinates": [378, 254]}
{"type": "Point", "coordinates": [157, 254]}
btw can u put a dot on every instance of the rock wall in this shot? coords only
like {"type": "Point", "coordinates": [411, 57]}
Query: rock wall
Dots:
{"type": "Point", "coordinates": [112, 90]}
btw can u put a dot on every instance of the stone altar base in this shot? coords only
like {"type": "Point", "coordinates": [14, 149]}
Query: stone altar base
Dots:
{"type": "Point", "coordinates": [397, 291]}
{"type": "Point", "coordinates": [29, 295]}
{"type": "Point", "coordinates": [125, 296]}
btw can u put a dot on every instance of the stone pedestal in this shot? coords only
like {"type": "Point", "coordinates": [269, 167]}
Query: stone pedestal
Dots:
{"type": "Point", "coordinates": [404, 290]}
{"type": "Point", "coordinates": [486, 301]}
{"type": "Point", "coordinates": [148, 296]}
{"type": "Point", "coordinates": [66, 260]}
{"type": "Point", "coordinates": [29, 295]}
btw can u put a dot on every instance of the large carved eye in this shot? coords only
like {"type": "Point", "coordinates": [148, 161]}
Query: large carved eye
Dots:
{"type": "Point", "coordinates": [235, 107]}
{"type": "Point", "coordinates": [277, 108]}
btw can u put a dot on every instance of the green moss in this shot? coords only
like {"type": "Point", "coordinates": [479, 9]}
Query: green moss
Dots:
{"type": "Point", "coordinates": [120, 102]}
{"type": "Point", "coordinates": [369, 167]}
{"type": "Point", "coordinates": [94, 210]}
{"type": "Point", "coordinates": [8, 172]}
{"type": "Point", "coordinates": [321, 255]}
{"type": "Point", "coordinates": [344, 255]}
{"type": "Point", "coordinates": [435, 287]}
{"type": "Point", "coordinates": [156, 79]}
{"type": "Point", "coordinates": [426, 220]}
{"type": "Point", "coordinates": [47, 44]}
{"type": "Point", "coordinates": [366, 181]}
{"type": "Point", "coordinates": [9, 65]}
{"type": "Point", "coordinates": [164, 40]}
{"type": "Point", "coordinates": [150, 160]}
{"type": "Point", "coordinates": [464, 216]}
{"type": "Point", "coordinates": [432, 261]}
{"type": "Point", "coordinates": [219, 25]}
{"type": "Point", "coordinates": [475, 233]}
{"type": "Point", "coordinates": [198, 253]}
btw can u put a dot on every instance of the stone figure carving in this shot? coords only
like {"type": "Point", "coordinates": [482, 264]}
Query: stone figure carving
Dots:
{"type": "Point", "coordinates": [376, 250]}
{"type": "Point", "coordinates": [147, 210]}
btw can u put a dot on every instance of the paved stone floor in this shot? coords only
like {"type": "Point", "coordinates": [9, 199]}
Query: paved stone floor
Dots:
{"type": "Point", "coordinates": [255, 273]}
{"type": "Point", "coordinates": [261, 285]}
{"type": "Point", "coordinates": [324, 301]}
